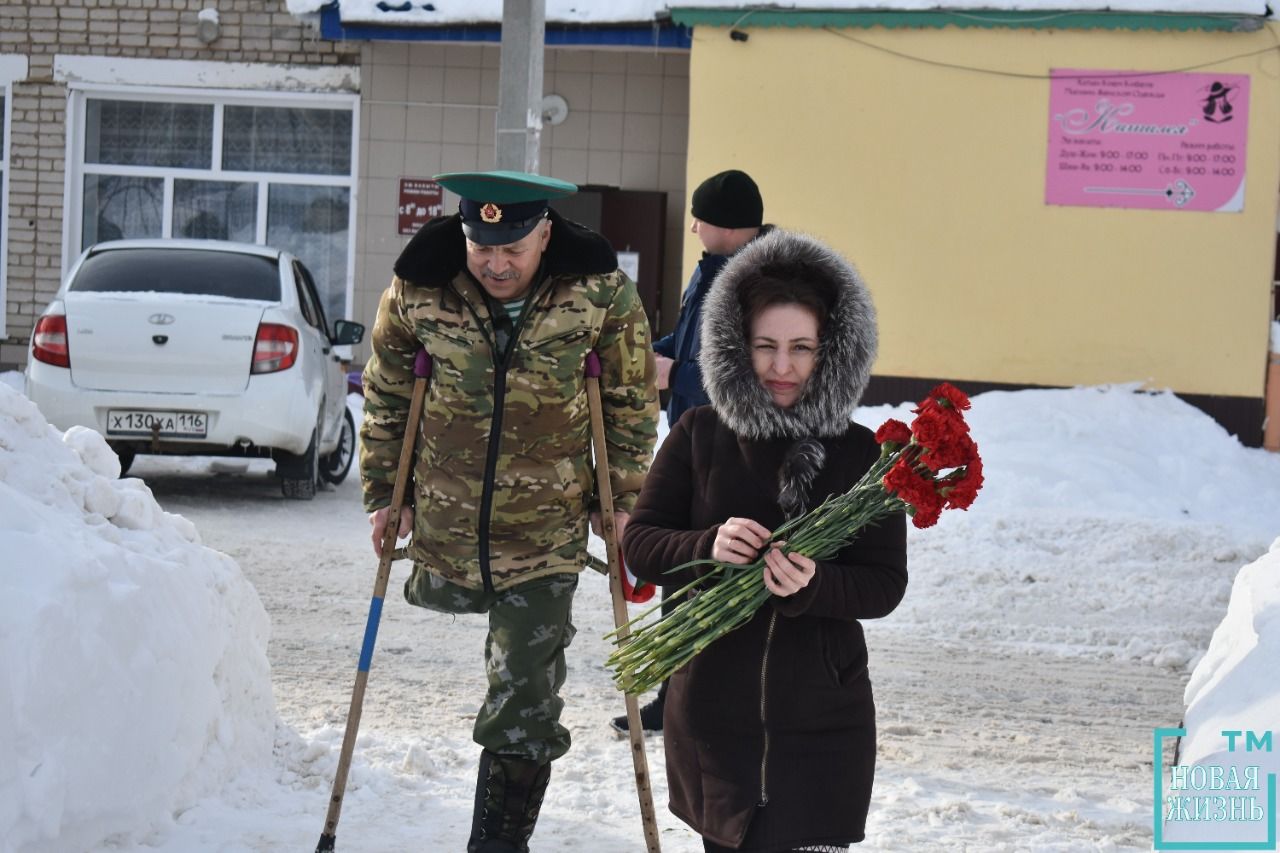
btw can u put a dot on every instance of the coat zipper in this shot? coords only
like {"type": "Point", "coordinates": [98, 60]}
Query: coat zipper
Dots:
{"type": "Point", "coordinates": [500, 367]}
{"type": "Point", "coordinates": [764, 726]}
{"type": "Point", "coordinates": [490, 469]}
{"type": "Point", "coordinates": [491, 454]}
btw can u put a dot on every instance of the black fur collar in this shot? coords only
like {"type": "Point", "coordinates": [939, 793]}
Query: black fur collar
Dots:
{"type": "Point", "coordinates": [438, 252]}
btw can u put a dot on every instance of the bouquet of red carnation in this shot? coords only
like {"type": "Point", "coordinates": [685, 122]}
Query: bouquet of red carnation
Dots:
{"type": "Point", "coordinates": [923, 469]}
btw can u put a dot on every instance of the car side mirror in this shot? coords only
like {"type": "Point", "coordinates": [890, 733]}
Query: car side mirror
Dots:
{"type": "Point", "coordinates": [347, 332]}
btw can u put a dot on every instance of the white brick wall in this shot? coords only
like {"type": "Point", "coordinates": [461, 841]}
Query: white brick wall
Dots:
{"type": "Point", "coordinates": [259, 31]}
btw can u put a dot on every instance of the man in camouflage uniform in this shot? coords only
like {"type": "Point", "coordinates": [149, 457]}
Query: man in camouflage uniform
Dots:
{"type": "Point", "coordinates": [507, 298]}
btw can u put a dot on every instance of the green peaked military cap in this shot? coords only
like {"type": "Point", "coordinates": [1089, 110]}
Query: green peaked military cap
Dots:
{"type": "Point", "coordinates": [504, 187]}
{"type": "Point", "coordinates": [501, 207]}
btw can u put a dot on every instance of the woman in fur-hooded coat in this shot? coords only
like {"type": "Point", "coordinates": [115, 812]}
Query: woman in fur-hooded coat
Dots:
{"type": "Point", "coordinates": [770, 731]}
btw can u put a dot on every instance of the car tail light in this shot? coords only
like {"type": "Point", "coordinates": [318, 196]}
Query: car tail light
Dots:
{"type": "Point", "coordinates": [49, 341]}
{"type": "Point", "coordinates": [276, 348]}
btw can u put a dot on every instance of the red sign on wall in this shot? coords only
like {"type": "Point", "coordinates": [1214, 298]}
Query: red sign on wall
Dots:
{"type": "Point", "coordinates": [420, 200]}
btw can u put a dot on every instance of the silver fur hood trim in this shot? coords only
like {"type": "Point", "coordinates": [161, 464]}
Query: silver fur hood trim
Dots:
{"type": "Point", "coordinates": [845, 353]}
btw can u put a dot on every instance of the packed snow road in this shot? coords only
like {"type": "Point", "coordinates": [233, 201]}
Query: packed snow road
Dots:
{"type": "Point", "coordinates": [1015, 706]}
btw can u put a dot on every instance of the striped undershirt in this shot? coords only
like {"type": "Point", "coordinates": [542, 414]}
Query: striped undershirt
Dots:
{"type": "Point", "coordinates": [513, 308]}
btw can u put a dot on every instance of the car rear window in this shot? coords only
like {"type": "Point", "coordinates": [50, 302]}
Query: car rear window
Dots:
{"type": "Point", "coordinates": [192, 271]}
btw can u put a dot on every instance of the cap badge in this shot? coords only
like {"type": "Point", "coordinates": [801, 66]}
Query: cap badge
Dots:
{"type": "Point", "coordinates": [491, 213]}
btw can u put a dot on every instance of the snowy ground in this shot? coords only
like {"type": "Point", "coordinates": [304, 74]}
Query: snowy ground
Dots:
{"type": "Point", "coordinates": [1043, 636]}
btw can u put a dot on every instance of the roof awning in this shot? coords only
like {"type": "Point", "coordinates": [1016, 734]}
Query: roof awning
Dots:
{"type": "Point", "coordinates": [663, 24]}
{"type": "Point", "coordinates": [637, 23]}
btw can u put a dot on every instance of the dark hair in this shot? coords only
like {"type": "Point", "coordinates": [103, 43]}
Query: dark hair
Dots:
{"type": "Point", "coordinates": [759, 290]}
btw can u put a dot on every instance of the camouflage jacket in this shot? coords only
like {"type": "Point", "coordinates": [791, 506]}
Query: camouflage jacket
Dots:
{"type": "Point", "coordinates": [503, 478]}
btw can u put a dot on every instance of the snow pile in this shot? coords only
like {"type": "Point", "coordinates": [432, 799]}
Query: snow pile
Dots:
{"type": "Point", "coordinates": [305, 7]}
{"type": "Point", "coordinates": [1240, 664]}
{"type": "Point", "coordinates": [1234, 689]}
{"type": "Point", "coordinates": [135, 676]}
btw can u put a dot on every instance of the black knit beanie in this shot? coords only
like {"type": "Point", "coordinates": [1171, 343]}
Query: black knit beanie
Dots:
{"type": "Point", "coordinates": [729, 200]}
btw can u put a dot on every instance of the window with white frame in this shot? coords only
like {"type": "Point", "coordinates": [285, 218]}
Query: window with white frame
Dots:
{"type": "Point", "coordinates": [260, 168]}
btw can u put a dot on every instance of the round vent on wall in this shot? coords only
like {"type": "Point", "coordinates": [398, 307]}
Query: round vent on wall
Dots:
{"type": "Point", "coordinates": [555, 109]}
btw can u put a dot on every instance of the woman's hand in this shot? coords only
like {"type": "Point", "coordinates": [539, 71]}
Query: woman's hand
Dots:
{"type": "Point", "coordinates": [738, 541]}
{"type": "Point", "coordinates": [787, 574]}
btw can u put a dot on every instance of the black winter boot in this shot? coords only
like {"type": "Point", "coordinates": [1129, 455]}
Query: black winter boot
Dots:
{"type": "Point", "coordinates": [509, 794]}
{"type": "Point", "coordinates": [650, 715]}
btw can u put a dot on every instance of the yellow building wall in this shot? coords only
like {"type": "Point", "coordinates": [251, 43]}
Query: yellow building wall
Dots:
{"type": "Point", "coordinates": [932, 180]}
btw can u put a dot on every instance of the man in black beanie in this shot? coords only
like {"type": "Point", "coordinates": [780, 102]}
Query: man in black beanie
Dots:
{"type": "Point", "coordinates": [728, 213]}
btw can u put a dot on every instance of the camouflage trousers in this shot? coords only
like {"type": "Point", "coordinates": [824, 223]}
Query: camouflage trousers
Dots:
{"type": "Point", "coordinates": [530, 626]}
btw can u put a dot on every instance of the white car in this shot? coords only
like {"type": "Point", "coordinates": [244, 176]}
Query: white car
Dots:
{"type": "Point", "coordinates": [198, 347]}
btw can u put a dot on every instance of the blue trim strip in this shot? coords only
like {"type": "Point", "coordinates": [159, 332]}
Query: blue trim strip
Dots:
{"type": "Point", "coordinates": [370, 634]}
{"type": "Point", "coordinates": [663, 34]}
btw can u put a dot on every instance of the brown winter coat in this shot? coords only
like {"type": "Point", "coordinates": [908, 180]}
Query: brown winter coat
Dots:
{"type": "Point", "coordinates": [815, 781]}
{"type": "Point", "coordinates": [770, 731]}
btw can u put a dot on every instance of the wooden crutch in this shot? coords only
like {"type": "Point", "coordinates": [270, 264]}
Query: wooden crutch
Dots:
{"type": "Point", "coordinates": [422, 374]}
{"type": "Point", "coordinates": [620, 618]}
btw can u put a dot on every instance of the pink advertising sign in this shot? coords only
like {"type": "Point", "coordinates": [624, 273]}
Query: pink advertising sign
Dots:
{"type": "Point", "coordinates": [1147, 140]}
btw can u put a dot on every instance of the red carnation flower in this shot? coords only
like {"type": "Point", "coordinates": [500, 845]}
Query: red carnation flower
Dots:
{"type": "Point", "coordinates": [961, 492]}
{"type": "Point", "coordinates": [946, 396]}
{"type": "Point", "coordinates": [919, 492]}
{"type": "Point", "coordinates": [944, 438]}
{"type": "Point", "coordinates": [923, 517]}
{"type": "Point", "coordinates": [895, 431]}
{"type": "Point", "coordinates": [958, 450]}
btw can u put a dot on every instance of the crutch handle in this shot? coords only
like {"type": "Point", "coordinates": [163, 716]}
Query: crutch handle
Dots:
{"type": "Point", "coordinates": [593, 369]}
{"type": "Point", "coordinates": [422, 364]}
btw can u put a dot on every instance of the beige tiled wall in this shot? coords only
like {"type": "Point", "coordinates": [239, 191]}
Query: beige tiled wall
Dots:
{"type": "Point", "coordinates": [430, 108]}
